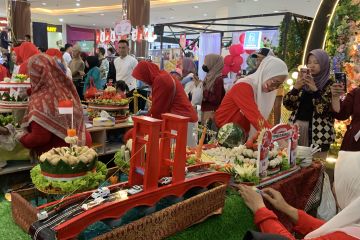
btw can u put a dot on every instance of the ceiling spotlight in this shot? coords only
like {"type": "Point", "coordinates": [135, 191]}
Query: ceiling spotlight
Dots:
{"type": "Point", "coordinates": [276, 11]}
{"type": "Point", "coordinates": [61, 20]}
{"type": "Point", "coordinates": [77, 4]}
{"type": "Point", "coordinates": [196, 6]}
{"type": "Point", "coordinates": [44, 3]}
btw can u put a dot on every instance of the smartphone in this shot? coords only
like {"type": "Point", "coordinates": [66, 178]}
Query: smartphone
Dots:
{"type": "Point", "coordinates": [305, 72]}
{"type": "Point", "coordinates": [340, 77]}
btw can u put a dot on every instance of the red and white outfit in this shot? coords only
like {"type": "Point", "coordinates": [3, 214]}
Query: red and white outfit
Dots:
{"type": "Point", "coordinates": [246, 104]}
{"type": "Point", "coordinates": [345, 225]}
{"type": "Point", "coordinates": [47, 128]}
{"type": "Point", "coordinates": [168, 95]}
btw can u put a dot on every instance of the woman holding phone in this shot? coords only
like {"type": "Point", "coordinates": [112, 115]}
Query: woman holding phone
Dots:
{"type": "Point", "coordinates": [343, 109]}
{"type": "Point", "coordinates": [310, 103]}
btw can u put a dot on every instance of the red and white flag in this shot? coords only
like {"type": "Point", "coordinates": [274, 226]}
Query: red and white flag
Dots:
{"type": "Point", "coordinates": [66, 107]}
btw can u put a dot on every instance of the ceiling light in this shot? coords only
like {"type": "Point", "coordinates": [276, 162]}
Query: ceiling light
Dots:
{"type": "Point", "coordinates": [276, 11]}
{"type": "Point", "coordinates": [77, 4]}
{"type": "Point", "coordinates": [44, 4]}
{"type": "Point", "coordinates": [196, 6]}
{"type": "Point", "coordinates": [205, 14]}
{"type": "Point", "coordinates": [256, 0]}
{"type": "Point", "coordinates": [94, 24]}
{"type": "Point", "coordinates": [61, 20]}
{"type": "Point", "coordinates": [101, 14]}
{"type": "Point", "coordinates": [78, 0]}
{"type": "Point", "coordinates": [172, 17]}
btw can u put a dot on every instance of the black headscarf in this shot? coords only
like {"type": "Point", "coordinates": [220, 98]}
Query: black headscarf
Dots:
{"type": "Point", "coordinates": [93, 61]}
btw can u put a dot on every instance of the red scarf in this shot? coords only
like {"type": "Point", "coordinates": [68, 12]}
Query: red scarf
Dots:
{"type": "Point", "coordinates": [49, 85]}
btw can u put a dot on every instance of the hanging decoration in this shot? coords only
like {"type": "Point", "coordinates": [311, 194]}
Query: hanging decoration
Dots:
{"type": "Point", "coordinates": [143, 33]}
{"type": "Point", "coordinates": [102, 36]}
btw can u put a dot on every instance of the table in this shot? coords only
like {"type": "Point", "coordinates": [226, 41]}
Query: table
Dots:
{"type": "Point", "coordinates": [300, 190]}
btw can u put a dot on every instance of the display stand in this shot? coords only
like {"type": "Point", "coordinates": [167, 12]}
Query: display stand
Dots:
{"type": "Point", "coordinates": [17, 108]}
{"type": "Point", "coordinates": [99, 136]}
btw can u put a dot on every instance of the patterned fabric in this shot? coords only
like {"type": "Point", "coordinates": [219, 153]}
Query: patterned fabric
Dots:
{"type": "Point", "coordinates": [171, 220]}
{"type": "Point", "coordinates": [322, 125]}
{"type": "Point", "coordinates": [300, 190]}
{"type": "Point", "coordinates": [49, 85]}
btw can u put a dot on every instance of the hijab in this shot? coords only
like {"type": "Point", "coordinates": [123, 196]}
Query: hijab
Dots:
{"type": "Point", "coordinates": [215, 64]}
{"type": "Point", "coordinates": [323, 59]}
{"type": "Point", "coordinates": [53, 52]}
{"type": "Point", "coordinates": [49, 86]}
{"type": "Point", "coordinates": [93, 61]}
{"type": "Point", "coordinates": [24, 52]}
{"type": "Point", "coordinates": [347, 189]}
{"type": "Point", "coordinates": [270, 67]}
{"type": "Point", "coordinates": [146, 72]}
{"type": "Point", "coordinates": [188, 66]}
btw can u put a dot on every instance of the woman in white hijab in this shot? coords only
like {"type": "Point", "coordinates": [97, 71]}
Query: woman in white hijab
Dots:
{"type": "Point", "coordinates": [343, 226]}
{"type": "Point", "coordinates": [250, 101]}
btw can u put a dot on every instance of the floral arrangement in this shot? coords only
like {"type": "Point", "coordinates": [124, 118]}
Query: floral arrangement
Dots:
{"type": "Point", "coordinates": [343, 45]}
{"type": "Point", "coordinates": [343, 42]}
{"type": "Point", "coordinates": [241, 161]}
{"type": "Point", "coordinates": [20, 78]}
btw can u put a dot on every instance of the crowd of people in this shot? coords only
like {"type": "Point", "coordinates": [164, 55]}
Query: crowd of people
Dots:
{"type": "Point", "coordinates": [314, 101]}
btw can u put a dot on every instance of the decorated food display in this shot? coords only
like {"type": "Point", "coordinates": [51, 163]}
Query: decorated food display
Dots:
{"type": "Point", "coordinates": [68, 169]}
{"type": "Point", "coordinates": [115, 104]}
{"type": "Point", "coordinates": [67, 163]}
{"type": "Point", "coordinates": [259, 158]}
{"type": "Point", "coordinates": [231, 135]}
{"type": "Point", "coordinates": [13, 92]}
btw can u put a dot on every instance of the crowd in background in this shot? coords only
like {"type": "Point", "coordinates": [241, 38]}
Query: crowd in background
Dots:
{"type": "Point", "coordinates": [314, 101]}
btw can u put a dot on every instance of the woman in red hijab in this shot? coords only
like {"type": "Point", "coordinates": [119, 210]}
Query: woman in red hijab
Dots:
{"type": "Point", "coordinates": [24, 52]}
{"type": "Point", "coordinates": [168, 95]}
{"type": "Point", "coordinates": [46, 127]}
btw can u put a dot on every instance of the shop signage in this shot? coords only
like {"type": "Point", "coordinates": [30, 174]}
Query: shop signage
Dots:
{"type": "Point", "coordinates": [252, 40]}
{"type": "Point", "coordinates": [54, 28]}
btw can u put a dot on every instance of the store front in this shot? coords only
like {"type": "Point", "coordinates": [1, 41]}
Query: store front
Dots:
{"type": "Point", "coordinates": [47, 35]}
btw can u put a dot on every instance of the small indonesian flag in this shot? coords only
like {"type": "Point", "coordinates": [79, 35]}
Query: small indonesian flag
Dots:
{"type": "Point", "coordinates": [66, 107]}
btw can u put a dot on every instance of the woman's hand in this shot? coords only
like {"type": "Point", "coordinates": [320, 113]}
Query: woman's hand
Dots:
{"type": "Point", "coordinates": [276, 199]}
{"type": "Point", "coordinates": [252, 199]}
{"type": "Point", "coordinates": [309, 81]}
{"type": "Point", "coordinates": [337, 90]}
{"type": "Point", "coordinates": [300, 82]}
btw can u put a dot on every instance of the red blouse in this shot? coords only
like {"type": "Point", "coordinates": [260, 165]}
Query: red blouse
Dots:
{"type": "Point", "coordinates": [268, 222]}
{"type": "Point", "coordinates": [41, 140]}
{"type": "Point", "coordinates": [239, 106]}
{"type": "Point", "coordinates": [212, 100]}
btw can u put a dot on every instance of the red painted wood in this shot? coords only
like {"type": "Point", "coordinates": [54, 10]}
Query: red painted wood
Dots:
{"type": "Point", "coordinates": [70, 229]}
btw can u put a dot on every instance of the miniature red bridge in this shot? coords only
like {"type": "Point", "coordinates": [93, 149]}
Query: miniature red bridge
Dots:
{"type": "Point", "coordinates": [146, 169]}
